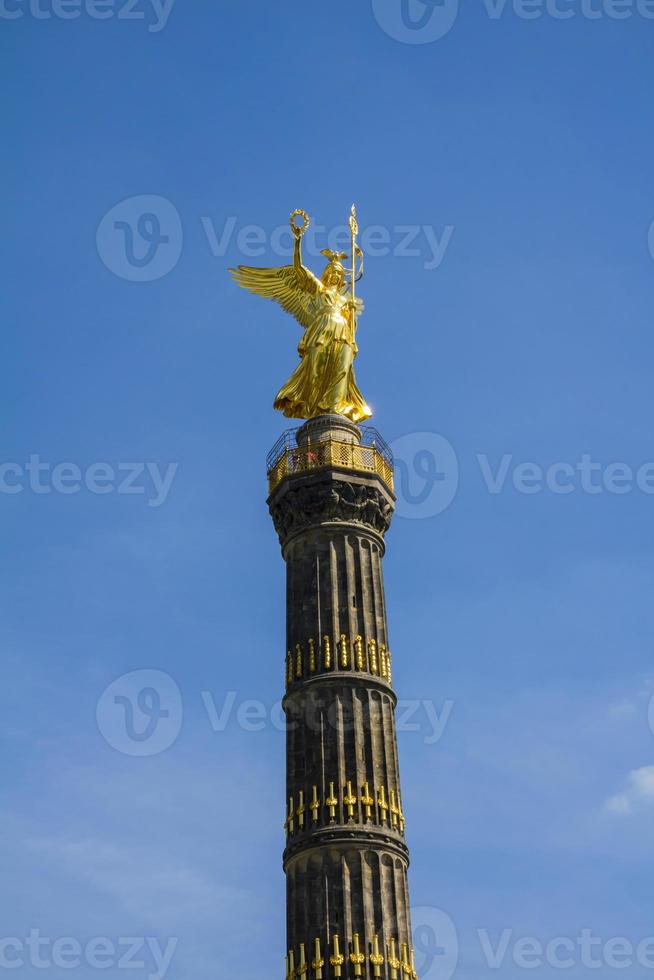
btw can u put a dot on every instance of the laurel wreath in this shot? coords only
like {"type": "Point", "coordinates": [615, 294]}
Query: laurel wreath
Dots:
{"type": "Point", "coordinates": [299, 213]}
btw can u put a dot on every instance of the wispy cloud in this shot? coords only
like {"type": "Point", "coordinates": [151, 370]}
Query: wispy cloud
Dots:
{"type": "Point", "coordinates": [638, 792]}
{"type": "Point", "coordinates": [105, 848]}
{"type": "Point", "coordinates": [144, 883]}
{"type": "Point", "coordinates": [623, 710]}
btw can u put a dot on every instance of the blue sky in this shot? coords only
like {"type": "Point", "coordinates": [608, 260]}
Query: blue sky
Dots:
{"type": "Point", "coordinates": [523, 149]}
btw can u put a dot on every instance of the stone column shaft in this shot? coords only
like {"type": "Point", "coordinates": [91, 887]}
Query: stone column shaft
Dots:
{"type": "Point", "coordinates": [346, 859]}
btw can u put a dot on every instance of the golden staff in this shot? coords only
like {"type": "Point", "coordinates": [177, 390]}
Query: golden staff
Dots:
{"type": "Point", "coordinates": [354, 229]}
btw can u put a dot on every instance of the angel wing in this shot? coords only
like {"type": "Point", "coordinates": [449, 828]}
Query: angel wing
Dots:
{"type": "Point", "coordinates": [287, 285]}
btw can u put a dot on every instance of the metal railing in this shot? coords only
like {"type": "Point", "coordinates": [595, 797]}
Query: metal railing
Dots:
{"type": "Point", "coordinates": [286, 458]}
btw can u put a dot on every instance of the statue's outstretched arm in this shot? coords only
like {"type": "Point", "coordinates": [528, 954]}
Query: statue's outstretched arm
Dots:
{"type": "Point", "coordinates": [306, 278]}
{"type": "Point", "coordinates": [292, 286]}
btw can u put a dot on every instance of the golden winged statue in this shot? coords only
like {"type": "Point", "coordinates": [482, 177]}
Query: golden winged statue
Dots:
{"type": "Point", "coordinates": [323, 383]}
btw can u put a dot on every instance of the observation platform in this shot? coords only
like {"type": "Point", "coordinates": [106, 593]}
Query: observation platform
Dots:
{"type": "Point", "coordinates": [329, 440]}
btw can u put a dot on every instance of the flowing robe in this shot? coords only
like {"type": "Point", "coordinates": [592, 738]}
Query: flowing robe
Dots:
{"type": "Point", "coordinates": [324, 381]}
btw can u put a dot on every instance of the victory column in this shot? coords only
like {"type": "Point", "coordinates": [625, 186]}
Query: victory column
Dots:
{"type": "Point", "coordinates": [331, 500]}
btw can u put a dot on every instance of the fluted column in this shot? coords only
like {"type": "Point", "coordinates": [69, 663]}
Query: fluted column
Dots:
{"type": "Point", "coordinates": [346, 859]}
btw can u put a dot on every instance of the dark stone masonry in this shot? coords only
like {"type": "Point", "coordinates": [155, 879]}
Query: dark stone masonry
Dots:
{"type": "Point", "coordinates": [346, 859]}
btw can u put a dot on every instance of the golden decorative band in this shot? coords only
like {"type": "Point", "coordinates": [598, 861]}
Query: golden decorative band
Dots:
{"type": "Point", "coordinates": [399, 964]}
{"type": "Point", "coordinates": [371, 658]}
{"type": "Point", "coordinates": [379, 806]}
